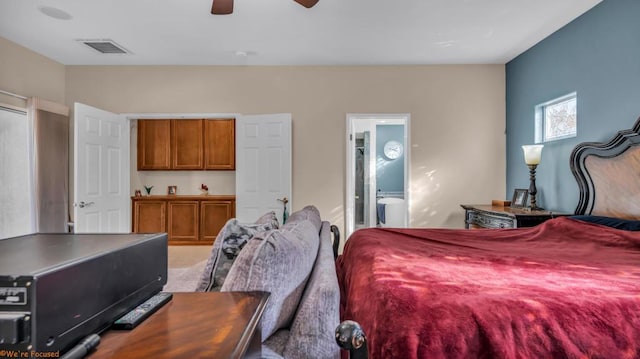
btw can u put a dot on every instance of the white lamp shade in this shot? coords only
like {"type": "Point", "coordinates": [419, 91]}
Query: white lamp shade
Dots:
{"type": "Point", "coordinates": [532, 154]}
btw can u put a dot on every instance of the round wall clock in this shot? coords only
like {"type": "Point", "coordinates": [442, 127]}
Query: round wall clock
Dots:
{"type": "Point", "coordinates": [393, 149]}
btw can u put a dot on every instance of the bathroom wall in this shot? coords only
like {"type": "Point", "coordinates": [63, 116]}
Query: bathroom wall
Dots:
{"type": "Point", "coordinates": [389, 173]}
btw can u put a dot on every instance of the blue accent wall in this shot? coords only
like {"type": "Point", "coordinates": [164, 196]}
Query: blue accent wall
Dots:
{"type": "Point", "coordinates": [598, 56]}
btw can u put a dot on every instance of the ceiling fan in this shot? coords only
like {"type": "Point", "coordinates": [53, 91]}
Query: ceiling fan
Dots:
{"type": "Point", "coordinates": [225, 7]}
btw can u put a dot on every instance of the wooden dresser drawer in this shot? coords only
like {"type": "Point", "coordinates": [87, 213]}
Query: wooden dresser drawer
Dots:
{"type": "Point", "coordinates": [489, 216]}
{"type": "Point", "coordinates": [485, 220]}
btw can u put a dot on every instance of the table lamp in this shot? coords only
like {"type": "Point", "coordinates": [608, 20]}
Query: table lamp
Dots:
{"type": "Point", "coordinates": [532, 156]}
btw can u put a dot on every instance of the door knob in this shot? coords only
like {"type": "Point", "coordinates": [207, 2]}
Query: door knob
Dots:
{"type": "Point", "coordinates": [85, 204]}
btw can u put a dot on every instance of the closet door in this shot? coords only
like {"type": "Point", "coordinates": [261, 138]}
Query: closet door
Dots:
{"type": "Point", "coordinates": [263, 168]}
{"type": "Point", "coordinates": [101, 171]}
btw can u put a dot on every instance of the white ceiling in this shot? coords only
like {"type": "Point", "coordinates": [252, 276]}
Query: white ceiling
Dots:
{"type": "Point", "coordinates": [281, 32]}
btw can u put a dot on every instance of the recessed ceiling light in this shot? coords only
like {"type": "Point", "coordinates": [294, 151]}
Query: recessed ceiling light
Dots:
{"type": "Point", "coordinates": [55, 13]}
{"type": "Point", "coordinates": [447, 43]}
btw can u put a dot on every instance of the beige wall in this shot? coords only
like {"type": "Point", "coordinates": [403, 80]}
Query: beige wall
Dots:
{"type": "Point", "coordinates": [457, 120]}
{"type": "Point", "coordinates": [26, 73]}
{"type": "Point", "coordinates": [457, 123]}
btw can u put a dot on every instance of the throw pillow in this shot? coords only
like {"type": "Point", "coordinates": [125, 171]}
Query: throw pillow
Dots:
{"type": "Point", "coordinates": [278, 262]}
{"type": "Point", "coordinates": [231, 239]}
{"type": "Point", "coordinates": [308, 213]}
{"type": "Point", "coordinates": [237, 236]}
{"type": "Point", "coordinates": [270, 219]}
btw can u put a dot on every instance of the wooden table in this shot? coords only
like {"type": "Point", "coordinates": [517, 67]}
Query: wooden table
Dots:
{"type": "Point", "coordinates": [193, 325]}
{"type": "Point", "coordinates": [487, 216]}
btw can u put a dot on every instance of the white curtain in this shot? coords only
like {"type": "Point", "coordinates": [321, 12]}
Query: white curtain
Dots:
{"type": "Point", "coordinates": [16, 173]}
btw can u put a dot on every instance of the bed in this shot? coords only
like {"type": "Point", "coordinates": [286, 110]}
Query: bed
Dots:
{"type": "Point", "coordinates": [567, 288]}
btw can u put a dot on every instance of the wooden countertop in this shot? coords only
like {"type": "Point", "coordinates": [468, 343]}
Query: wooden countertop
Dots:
{"type": "Point", "coordinates": [195, 197]}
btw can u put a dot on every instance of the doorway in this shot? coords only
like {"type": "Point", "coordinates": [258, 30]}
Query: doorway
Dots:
{"type": "Point", "coordinates": [377, 171]}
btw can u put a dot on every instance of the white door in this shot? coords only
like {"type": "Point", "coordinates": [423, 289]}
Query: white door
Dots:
{"type": "Point", "coordinates": [263, 165]}
{"type": "Point", "coordinates": [101, 171]}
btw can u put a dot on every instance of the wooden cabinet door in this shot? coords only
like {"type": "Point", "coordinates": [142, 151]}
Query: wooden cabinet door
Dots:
{"type": "Point", "coordinates": [154, 144]}
{"type": "Point", "coordinates": [182, 221]}
{"type": "Point", "coordinates": [149, 216]}
{"type": "Point", "coordinates": [186, 151]}
{"type": "Point", "coordinates": [213, 216]}
{"type": "Point", "coordinates": [219, 144]}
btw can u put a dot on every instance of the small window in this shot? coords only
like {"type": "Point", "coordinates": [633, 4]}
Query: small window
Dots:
{"type": "Point", "coordinates": [556, 119]}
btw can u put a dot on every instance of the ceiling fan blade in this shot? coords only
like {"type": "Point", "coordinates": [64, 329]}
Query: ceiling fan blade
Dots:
{"type": "Point", "coordinates": [307, 3]}
{"type": "Point", "coordinates": [222, 7]}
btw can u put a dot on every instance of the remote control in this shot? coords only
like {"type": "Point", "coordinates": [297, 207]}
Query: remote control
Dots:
{"type": "Point", "coordinates": [142, 312]}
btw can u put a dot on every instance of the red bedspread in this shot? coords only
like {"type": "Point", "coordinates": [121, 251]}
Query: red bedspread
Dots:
{"type": "Point", "coordinates": [563, 289]}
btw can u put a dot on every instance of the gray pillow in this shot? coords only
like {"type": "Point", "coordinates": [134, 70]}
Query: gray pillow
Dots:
{"type": "Point", "coordinates": [308, 213]}
{"type": "Point", "coordinates": [270, 219]}
{"type": "Point", "coordinates": [231, 239]}
{"type": "Point", "coordinates": [278, 262]}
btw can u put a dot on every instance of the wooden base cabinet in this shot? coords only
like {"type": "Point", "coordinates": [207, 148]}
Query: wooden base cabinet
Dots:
{"type": "Point", "coordinates": [186, 219]}
{"type": "Point", "coordinates": [183, 221]}
{"type": "Point", "coordinates": [154, 214]}
{"type": "Point", "coordinates": [213, 216]}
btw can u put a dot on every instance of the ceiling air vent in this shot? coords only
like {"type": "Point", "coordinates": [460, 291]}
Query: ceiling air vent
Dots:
{"type": "Point", "coordinates": [105, 46]}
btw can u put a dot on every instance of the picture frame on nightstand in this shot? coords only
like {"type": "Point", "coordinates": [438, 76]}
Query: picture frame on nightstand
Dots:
{"type": "Point", "coordinates": [520, 196]}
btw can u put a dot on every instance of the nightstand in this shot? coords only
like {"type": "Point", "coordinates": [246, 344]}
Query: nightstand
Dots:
{"type": "Point", "coordinates": [487, 216]}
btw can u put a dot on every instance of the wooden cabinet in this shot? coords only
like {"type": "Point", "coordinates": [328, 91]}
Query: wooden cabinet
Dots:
{"type": "Point", "coordinates": [154, 144]}
{"type": "Point", "coordinates": [180, 144]}
{"type": "Point", "coordinates": [186, 145]}
{"type": "Point", "coordinates": [213, 216]}
{"type": "Point", "coordinates": [154, 214]}
{"type": "Point", "coordinates": [183, 221]}
{"type": "Point", "coordinates": [219, 139]}
{"type": "Point", "coordinates": [487, 216]}
{"type": "Point", "coordinates": [186, 219]}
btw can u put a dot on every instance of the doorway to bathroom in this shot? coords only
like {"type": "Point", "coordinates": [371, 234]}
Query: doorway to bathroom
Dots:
{"type": "Point", "coordinates": [377, 171]}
